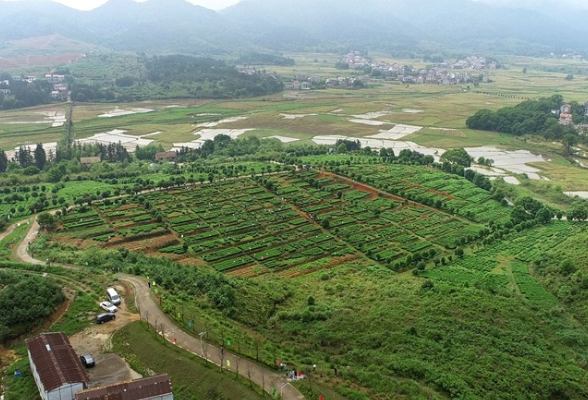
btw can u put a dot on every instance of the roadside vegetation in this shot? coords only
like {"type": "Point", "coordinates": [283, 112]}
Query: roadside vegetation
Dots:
{"type": "Point", "coordinates": [26, 302]}
{"type": "Point", "coordinates": [192, 377]}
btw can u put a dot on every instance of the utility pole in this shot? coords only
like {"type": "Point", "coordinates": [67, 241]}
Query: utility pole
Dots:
{"type": "Point", "coordinates": [69, 122]}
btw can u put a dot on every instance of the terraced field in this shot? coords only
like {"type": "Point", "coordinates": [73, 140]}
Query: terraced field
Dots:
{"type": "Point", "coordinates": [290, 223]}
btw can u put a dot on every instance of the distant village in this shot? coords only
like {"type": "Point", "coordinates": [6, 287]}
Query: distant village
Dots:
{"type": "Point", "coordinates": [58, 92]}
{"type": "Point", "coordinates": [470, 70]}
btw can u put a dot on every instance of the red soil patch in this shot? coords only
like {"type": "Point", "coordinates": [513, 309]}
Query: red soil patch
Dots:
{"type": "Point", "coordinates": [374, 193]}
{"type": "Point", "coordinates": [442, 194]}
{"type": "Point", "coordinates": [244, 272]}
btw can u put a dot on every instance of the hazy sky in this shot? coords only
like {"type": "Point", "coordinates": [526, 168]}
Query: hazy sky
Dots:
{"type": "Point", "coordinates": [220, 4]}
{"type": "Point", "coordinates": [537, 3]}
{"type": "Point", "coordinates": [90, 4]}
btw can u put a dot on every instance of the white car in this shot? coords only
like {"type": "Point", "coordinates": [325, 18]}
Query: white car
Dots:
{"type": "Point", "coordinates": [108, 306]}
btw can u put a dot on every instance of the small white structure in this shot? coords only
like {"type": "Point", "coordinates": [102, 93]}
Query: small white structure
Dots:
{"type": "Point", "coordinates": [56, 368]}
{"type": "Point", "coordinates": [156, 387]}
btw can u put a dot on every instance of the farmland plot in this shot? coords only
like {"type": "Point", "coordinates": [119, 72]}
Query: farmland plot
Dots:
{"type": "Point", "coordinates": [292, 223]}
{"type": "Point", "coordinates": [503, 267]}
{"type": "Point", "coordinates": [238, 225]}
{"type": "Point", "coordinates": [432, 187]}
{"type": "Point", "coordinates": [384, 228]}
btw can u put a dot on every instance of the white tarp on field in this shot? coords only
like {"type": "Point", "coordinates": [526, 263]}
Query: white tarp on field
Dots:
{"type": "Point", "coordinates": [398, 132]}
{"type": "Point", "coordinates": [119, 112]}
{"type": "Point", "coordinates": [284, 139]}
{"type": "Point", "coordinates": [115, 136]}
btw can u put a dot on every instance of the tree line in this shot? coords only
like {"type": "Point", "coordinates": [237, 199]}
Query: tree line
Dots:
{"type": "Point", "coordinates": [25, 302]}
{"type": "Point", "coordinates": [22, 93]}
{"type": "Point", "coordinates": [534, 117]}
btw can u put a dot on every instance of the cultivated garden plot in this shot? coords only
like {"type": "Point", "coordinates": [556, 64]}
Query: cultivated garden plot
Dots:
{"type": "Point", "coordinates": [115, 223]}
{"type": "Point", "coordinates": [238, 225]}
{"type": "Point", "coordinates": [386, 228]}
{"type": "Point", "coordinates": [503, 267]}
{"type": "Point", "coordinates": [432, 187]}
{"type": "Point", "coordinates": [293, 223]}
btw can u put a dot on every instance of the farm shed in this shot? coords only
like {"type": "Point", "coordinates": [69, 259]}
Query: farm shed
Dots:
{"type": "Point", "coordinates": [170, 156]}
{"type": "Point", "coordinates": [90, 160]}
{"type": "Point", "coordinates": [156, 387]}
{"type": "Point", "coordinates": [55, 366]}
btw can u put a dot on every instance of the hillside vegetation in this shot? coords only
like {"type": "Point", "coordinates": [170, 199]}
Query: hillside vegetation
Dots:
{"type": "Point", "coordinates": [402, 27]}
{"type": "Point", "coordinates": [470, 318]}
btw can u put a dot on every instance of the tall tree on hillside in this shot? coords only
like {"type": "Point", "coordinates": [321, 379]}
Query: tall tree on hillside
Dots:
{"type": "Point", "coordinates": [40, 156]}
{"type": "Point", "coordinates": [24, 157]}
{"type": "Point", "coordinates": [3, 161]}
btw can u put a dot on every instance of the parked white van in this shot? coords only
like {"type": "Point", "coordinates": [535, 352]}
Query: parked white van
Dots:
{"type": "Point", "coordinates": [113, 296]}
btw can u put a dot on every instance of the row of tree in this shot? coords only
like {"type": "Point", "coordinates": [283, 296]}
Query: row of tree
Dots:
{"type": "Point", "coordinates": [23, 93]}
{"type": "Point", "coordinates": [534, 117]}
{"type": "Point", "coordinates": [36, 160]}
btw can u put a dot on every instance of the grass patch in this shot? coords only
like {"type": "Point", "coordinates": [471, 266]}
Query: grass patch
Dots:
{"type": "Point", "coordinates": [23, 387]}
{"type": "Point", "coordinates": [77, 317]}
{"type": "Point", "coordinates": [191, 377]}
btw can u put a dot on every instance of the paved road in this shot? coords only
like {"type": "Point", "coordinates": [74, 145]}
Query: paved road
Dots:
{"type": "Point", "coordinates": [247, 369]}
{"type": "Point", "coordinates": [147, 306]}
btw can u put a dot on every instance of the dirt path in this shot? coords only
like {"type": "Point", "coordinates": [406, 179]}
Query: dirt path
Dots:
{"type": "Point", "coordinates": [161, 322]}
{"type": "Point", "coordinates": [21, 249]}
{"type": "Point", "coordinates": [230, 362]}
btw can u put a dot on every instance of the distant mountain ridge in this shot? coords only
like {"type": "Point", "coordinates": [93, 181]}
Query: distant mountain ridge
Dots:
{"type": "Point", "coordinates": [176, 26]}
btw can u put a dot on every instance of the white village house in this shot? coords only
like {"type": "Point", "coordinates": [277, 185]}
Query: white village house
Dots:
{"type": "Point", "coordinates": [55, 366]}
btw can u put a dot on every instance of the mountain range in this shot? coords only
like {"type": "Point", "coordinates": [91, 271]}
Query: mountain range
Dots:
{"type": "Point", "coordinates": [176, 26]}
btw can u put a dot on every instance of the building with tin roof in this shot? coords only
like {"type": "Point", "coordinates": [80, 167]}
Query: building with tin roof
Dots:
{"type": "Point", "coordinates": [156, 387]}
{"type": "Point", "coordinates": [58, 372]}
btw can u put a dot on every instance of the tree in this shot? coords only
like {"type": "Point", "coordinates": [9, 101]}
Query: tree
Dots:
{"type": "Point", "coordinates": [567, 267]}
{"type": "Point", "coordinates": [579, 212]}
{"type": "Point", "coordinates": [569, 141]}
{"type": "Point", "coordinates": [46, 220]}
{"type": "Point", "coordinates": [23, 156]}
{"type": "Point", "coordinates": [40, 156]}
{"type": "Point", "coordinates": [3, 161]}
{"type": "Point", "coordinates": [457, 156]}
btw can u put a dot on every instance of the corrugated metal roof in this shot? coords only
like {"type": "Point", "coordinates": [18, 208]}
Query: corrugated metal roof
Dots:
{"type": "Point", "coordinates": [56, 361]}
{"type": "Point", "coordinates": [139, 389]}
{"type": "Point", "coordinates": [90, 160]}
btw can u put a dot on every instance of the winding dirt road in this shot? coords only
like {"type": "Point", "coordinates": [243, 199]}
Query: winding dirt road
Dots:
{"type": "Point", "coordinates": [271, 382]}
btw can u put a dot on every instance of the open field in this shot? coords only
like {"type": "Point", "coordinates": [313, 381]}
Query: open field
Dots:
{"type": "Point", "coordinates": [439, 110]}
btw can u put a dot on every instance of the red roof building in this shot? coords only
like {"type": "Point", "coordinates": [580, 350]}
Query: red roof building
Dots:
{"type": "Point", "coordinates": [56, 368]}
{"type": "Point", "coordinates": [566, 119]}
{"type": "Point", "coordinates": [156, 387]}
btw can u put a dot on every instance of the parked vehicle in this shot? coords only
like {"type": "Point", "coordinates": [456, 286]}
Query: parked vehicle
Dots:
{"type": "Point", "coordinates": [87, 360]}
{"type": "Point", "coordinates": [102, 318]}
{"type": "Point", "coordinates": [108, 306]}
{"type": "Point", "coordinates": [113, 296]}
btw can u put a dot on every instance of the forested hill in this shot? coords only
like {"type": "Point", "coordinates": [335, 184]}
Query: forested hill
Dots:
{"type": "Point", "coordinates": [176, 26]}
